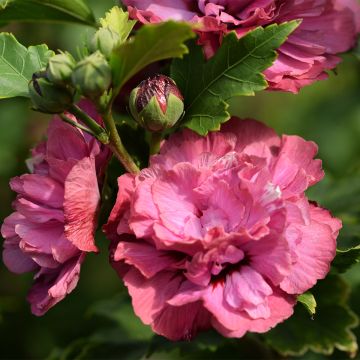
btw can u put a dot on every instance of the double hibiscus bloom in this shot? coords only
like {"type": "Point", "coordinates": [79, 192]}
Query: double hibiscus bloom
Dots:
{"type": "Point", "coordinates": [328, 27]}
{"type": "Point", "coordinates": [217, 231]}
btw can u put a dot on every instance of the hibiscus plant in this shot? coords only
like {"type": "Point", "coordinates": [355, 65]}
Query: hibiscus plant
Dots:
{"type": "Point", "coordinates": [219, 248]}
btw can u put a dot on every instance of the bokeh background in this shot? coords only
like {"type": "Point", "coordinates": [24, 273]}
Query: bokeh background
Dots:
{"type": "Point", "coordinates": [327, 113]}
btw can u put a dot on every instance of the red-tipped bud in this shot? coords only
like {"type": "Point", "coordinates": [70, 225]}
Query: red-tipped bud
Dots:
{"type": "Point", "coordinates": [157, 103]}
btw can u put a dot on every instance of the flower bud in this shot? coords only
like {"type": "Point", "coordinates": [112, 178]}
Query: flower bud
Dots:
{"type": "Point", "coordinates": [60, 68]}
{"type": "Point", "coordinates": [104, 40]}
{"type": "Point", "coordinates": [92, 76]}
{"type": "Point", "coordinates": [157, 104]}
{"type": "Point", "coordinates": [48, 97]}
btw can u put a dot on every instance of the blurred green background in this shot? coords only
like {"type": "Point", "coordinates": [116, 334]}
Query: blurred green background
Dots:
{"type": "Point", "coordinates": [327, 113]}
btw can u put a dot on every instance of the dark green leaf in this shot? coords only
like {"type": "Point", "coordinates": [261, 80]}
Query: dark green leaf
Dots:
{"type": "Point", "coordinates": [236, 69]}
{"type": "Point", "coordinates": [119, 310]}
{"type": "Point", "coordinates": [126, 337]}
{"type": "Point", "coordinates": [341, 195]}
{"type": "Point", "coordinates": [17, 64]}
{"type": "Point", "coordinates": [309, 302]}
{"type": "Point", "coordinates": [152, 43]}
{"type": "Point", "coordinates": [329, 329]}
{"type": "Point", "coordinates": [46, 10]}
{"type": "Point", "coordinates": [356, 50]}
{"type": "Point", "coordinates": [93, 348]}
{"type": "Point", "coordinates": [210, 346]}
{"type": "Point", "coordinates": [345, 259]}
{"type": "Point", "coordinates": [342, 198]}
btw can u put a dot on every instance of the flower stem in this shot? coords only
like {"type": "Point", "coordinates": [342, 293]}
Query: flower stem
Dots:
{"type": "Point", "coordinates": [116, 144]}
{"type": "Point", "coordinates": [155, 141]}
{"type": "Point", "coordinates": [76, 124]}
{"type": "Point", "coordinates": [98, 131]}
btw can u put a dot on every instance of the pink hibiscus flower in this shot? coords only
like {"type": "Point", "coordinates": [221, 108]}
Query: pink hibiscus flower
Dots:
{"type": "Point", "coordinates": [217, 232]}
{"type": "Point", "coordinates": [54, 221]}
{"type": "Point", "coordinates": [328, 27]}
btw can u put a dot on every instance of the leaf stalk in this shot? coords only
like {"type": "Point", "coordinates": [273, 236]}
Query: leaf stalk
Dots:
{"type": "Point", "coordinates": [98, 131]}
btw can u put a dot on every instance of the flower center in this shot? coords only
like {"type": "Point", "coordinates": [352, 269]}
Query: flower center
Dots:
{"type": "Point", "coordinates": [228, 269]}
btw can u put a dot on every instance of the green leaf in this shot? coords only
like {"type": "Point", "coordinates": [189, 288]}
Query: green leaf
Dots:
{"type": "Point", "coordinates": [236, 69]}
{"type": "Point", "coordinates": [126, 336]}
{"type": "Point", "coordinates": [211, 346]}
{"type": "Point", "coordinates": [345, 259]}
{"type": "Point", "coordinates": [101, 348]}
{"type": "Point", "coordinates": [340, 195]}
{"type": "Point", "coordinates": [356, 50]}
{"type": "Point", "coordinates": [118, 21]}
{"type": "Point", "coordinates": [152, 43]}
{"type": "Point", "coordinates": [119, 310]}
{"type": "Point", "coordinates": [17, 64]}
{"type": "Point", "coordinates": [309, 302]}
{"type": "Point", "coordinates": [46, 10]}
{"type": "Point", "coordinates": [329, 329]}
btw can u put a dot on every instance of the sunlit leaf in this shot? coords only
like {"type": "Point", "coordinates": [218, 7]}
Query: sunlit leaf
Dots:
{"type": "Point", "coordinates": [236, 69]}
{"type": "Point", "coordinates": [309, 302]}
{"type": "Point", "coordinates": [17, 65]}
{"type": "Point", "coordinates": [152, 43]}
{"type": "Point", "coordinates": [118, 21]}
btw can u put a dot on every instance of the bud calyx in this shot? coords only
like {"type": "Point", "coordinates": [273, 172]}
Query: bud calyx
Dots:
{"type": "Point", "coordinates": [48, 97]}
{"type": "Point", "coordinates": [60, 68]}
{"type": "Point", "coordinates": [92, 75]}
{"type": "Point", "coordinates": [105, 40]}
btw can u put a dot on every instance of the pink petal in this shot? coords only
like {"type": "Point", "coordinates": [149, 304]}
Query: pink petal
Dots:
{"type": "Point", "coordinates": [81, 203]}
{"type": "Point", "coordinates": [253, 137]}
{"type": "Point", "coordinates": [270, 257]}
{"type": "Point", "coordinates": [144, 211]}
{"type": "Point", "coordinates": [296, 169]}
{"type": "Point", "coordinates": [38, 213]}
{"type": "Point", "coordinates": [144, 257]}
{"type": "Point", "coordinates": [149, 296]}
{"type": "Point", "coordinates": [314, 252]}
{"type": "Point", "coordinates": [186, 146]}
{"type": "Point", "coordinates": [173, 196]}
{"type": "Point", "coordinates": [182, 322]}
{"type": "Point", "coordinates": [73, 148]}
{"type": "Point", "coordinates": [126, 187]}
{"type": "Point", "coordinates": [164, 9]}
{"type": "Point", "coordinates": [247, 290]}
{"type": "Point", "coordinates": [39, 188]}
{"type": "Point", "coordinates": [15, 260]}
{"type": "Point", "coordinates": [52, 286]}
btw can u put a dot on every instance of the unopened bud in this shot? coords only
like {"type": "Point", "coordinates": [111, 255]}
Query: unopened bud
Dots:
{"type": "Point", "coordinates": [92, 76]}
{"type": "Point", "coordinates": [157, 103]}
{"type": "Point", "coordinates": [48, 97]}
{"type": "Point", "coordinates": [104, 40]}
{"type": "Point", "coordinates": [60, 68]}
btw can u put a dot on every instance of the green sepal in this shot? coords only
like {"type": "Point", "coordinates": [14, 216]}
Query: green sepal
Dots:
{"type": "Point", "coordinates": [48, 97]}
{"type": "Point", "coordinates": [92, 75]}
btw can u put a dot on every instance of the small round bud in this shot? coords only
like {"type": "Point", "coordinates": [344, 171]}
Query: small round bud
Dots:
{"type": "Point", "coordinates": [48, 97]}
{"type": "Point", "coordinates": [60, 68]}
{"type": "Point", "coordinates": [157, 103]}
{"type": "Point", "coordinates": [92, 76]}
{"type": "Point", "coordinates": [105, 41]}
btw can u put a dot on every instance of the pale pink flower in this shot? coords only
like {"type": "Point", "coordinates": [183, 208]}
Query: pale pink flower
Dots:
{"type": "Point", "coordinates": [218, 232]}
{"type": "Point", "coordinates": [55, 215]}
{"type": "Point", "coordinates": [328, 27]}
